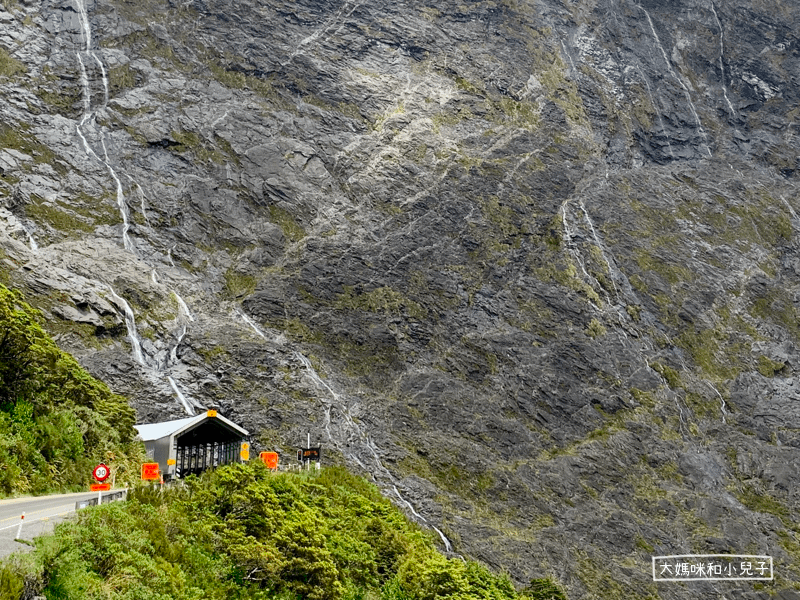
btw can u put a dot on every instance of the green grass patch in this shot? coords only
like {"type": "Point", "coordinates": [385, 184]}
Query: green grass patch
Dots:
{"type": "Point", "coordinates": [238, 285]}
{"type": "Point", "coordinates": [9, 66]}
{"type": "Point", "coordinates": [292, 230]}
{"type": "Point", "coordinates": [380, 300]}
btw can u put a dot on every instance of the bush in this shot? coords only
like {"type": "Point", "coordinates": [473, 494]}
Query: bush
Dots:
{"type": "Point", "coordinates": [242, 532]}
{"type": "Point", "coordinates": [56, 420]}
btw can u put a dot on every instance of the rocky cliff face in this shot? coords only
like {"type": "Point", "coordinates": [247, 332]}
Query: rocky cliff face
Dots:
{"type": "Point", "coordinates": [532, 265]}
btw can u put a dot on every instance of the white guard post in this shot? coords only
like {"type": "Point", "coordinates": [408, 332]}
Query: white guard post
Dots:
{"type": "Point", "coordinates": [19, 529]}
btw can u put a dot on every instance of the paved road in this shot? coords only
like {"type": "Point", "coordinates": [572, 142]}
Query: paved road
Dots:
{"type": "Point", "coordinates": [41, 514]}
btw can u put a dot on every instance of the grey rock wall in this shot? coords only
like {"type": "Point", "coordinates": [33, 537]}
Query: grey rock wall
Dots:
{"type": "Point", "coordinates": [531, 266]}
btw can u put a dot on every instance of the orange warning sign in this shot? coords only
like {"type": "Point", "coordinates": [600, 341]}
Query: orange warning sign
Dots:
{"type": "Point", "coordinates": [150, 472]}
{"type": "Point", "coordinates": [270, 459]}
{"type": "Point", "coordinates": [99, 487]}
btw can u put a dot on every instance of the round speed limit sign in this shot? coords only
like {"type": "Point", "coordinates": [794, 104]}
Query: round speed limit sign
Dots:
{"type": "Point", "coordinates": [101, 472]}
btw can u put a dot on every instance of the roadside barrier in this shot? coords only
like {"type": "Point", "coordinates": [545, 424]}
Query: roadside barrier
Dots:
{"type": "Point", "coordinates": [110, 497]}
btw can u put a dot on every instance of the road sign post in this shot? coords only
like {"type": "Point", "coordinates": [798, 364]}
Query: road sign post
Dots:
{"type": "Point", "coordinates": [308, 455]}
{"type": "Point", "coordinates": [101, 472]}
{"type": "Point", "coordinates": [150, 472]}
{"type": "Point", "coordinates": [270, 460]}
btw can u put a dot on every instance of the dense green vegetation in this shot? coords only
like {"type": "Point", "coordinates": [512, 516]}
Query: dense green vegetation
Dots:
{"type": "Point", "coordinates": [56, 420]}
{"type": "Point", "coordinates": [243, 532]}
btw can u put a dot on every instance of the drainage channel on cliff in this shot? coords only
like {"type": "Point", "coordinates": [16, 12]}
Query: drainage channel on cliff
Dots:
{"type": "Point", "coordinates": [347, 435]}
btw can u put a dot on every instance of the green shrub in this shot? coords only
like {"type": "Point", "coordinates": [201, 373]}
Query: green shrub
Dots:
{"type": "Point", "coordinates": [55, 418]}
{"type": "Point", "coordinates": [242, 532]}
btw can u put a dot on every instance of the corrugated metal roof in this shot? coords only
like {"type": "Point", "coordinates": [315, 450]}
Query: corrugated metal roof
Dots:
{"type": "Point", "coordinates": [156, 431]}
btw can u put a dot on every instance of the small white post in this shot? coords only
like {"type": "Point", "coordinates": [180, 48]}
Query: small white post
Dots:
{"type": "Point", "coordinates": [99, 498]}
{"type": "Point", "coordinates": [19, 529]}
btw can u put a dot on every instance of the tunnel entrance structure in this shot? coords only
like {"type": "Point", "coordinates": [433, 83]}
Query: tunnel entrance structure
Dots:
{"type": "Point", "coordinates": [192, 445]}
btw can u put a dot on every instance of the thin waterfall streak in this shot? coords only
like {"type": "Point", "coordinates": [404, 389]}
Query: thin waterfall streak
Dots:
{"type": "Point", "coordinates": [105, 78]}
{"type": "Point", "coordinates": [31, 242]}
{"type": "Point", "coordinates": [721, 65]}
{"type": "Point", "coordinates": [87, 108]}
{"type": "Point", "coordinates": [153, 276]}
{"type": "Point", "coordinates": [84, 79]}
{"type": "Point", "coordinates": [678, 79]}
{"type": "Point", "coordinates": [599, 245]}
{"type": "Point", "coordinates": [184, 308]}
{"type": "Point", "coordinates": [84, 19]}
{"type": "Point", "coordinates": [791, 210]}
{"type": "Point", "coordinates": [123, 207]}
{"type": "Point", "coordinates": [658, 113]}
{"type": "Point", "coordinates": [447, 546]}
{"type": "Point", "coordinates": [173, 354]}
{"type": "Point", "coordinates": [180, 396]}
{"type": "Point", "coordinates": [130, 324]}
{"type": "Point", "coordinates": [409, 505]}
{"type": "Point", "coordinates": [251, 323]}
{"type": "Point", "coordinates": [721, 399]}
{"type": "Point", "coordinates": [569, 56]}
{"type": "Point", "coordinates": [141, 199]}
{"type": "Point", "coordinates": [568, 239]}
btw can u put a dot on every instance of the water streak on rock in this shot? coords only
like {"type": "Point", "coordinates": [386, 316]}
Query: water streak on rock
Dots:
{"type": "Point", "coordinates": [181, 397]}
{"type": "Point", "coordinates": [721, 65]}
{"type": "Point", "coordinates": [130, 324]}
{"type": "Point", "coordinates": [678, 79]}
{"type": "Point", "coordinates": [184, 308]}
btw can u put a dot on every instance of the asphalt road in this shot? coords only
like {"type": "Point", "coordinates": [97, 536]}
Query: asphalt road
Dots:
{"type": "Point", "coordinates": [41, 515]}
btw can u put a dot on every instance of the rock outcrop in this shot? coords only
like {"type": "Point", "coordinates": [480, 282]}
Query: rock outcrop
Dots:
{"type": "Point", "coordinates": [532, 266]}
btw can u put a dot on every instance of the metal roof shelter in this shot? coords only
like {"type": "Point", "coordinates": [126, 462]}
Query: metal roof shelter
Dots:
{"type": "Point", "coordinates": [194, 444]}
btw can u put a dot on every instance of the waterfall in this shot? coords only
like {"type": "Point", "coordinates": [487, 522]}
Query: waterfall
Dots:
{"type": "Point", "coordinates": [183, 307]}
{"type": "Point", "coordinates": [31, 242]}
{"type": "Point", "coordinates": [130, 324]}
{"type": "Point", "coordinates": [84, 19]}
{"type": "Point", "coordinates": [791, 210]}
{"type": "Point", "coordinates": [104, 78]}
{"type": "Point", "coordinates": [365, 442]}
{"type": "Point", "coordinates": [721, 65]}
{"type": "Point", "coordinates": [250, 323]}
{"type": "Point", "coordinates": [181, 397]}
{"type": "Point", "coordinates": [570, 233]}
{"type": "Point", "coordinates": [87, 114]}
{"type": "Point", "coordinates": [87, 103]}
{"type": "Point", "coordinates": [173, 354]}
{"type": "Point", "coordinates": [141, 200]}
{"type": "Point", "coordinates": [447, 545]}
{"type": "Point", "coordinates": [613, 272]}
{"type": "Point", "coordinates": [123, 207]}
{"type": "Point", "coordinates": [721, 399]}
{"type": "Point", "coordinates": [678, 79]}
{"type": "Point", "coordinates": [658, 114]}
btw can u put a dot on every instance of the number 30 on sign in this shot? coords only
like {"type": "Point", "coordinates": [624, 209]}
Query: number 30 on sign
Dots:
{"type": "Point", "coordinates": [101, 472]}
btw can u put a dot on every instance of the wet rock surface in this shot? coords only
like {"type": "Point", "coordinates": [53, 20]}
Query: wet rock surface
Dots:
{"type": "Point", "coordinates": [531, 266]}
